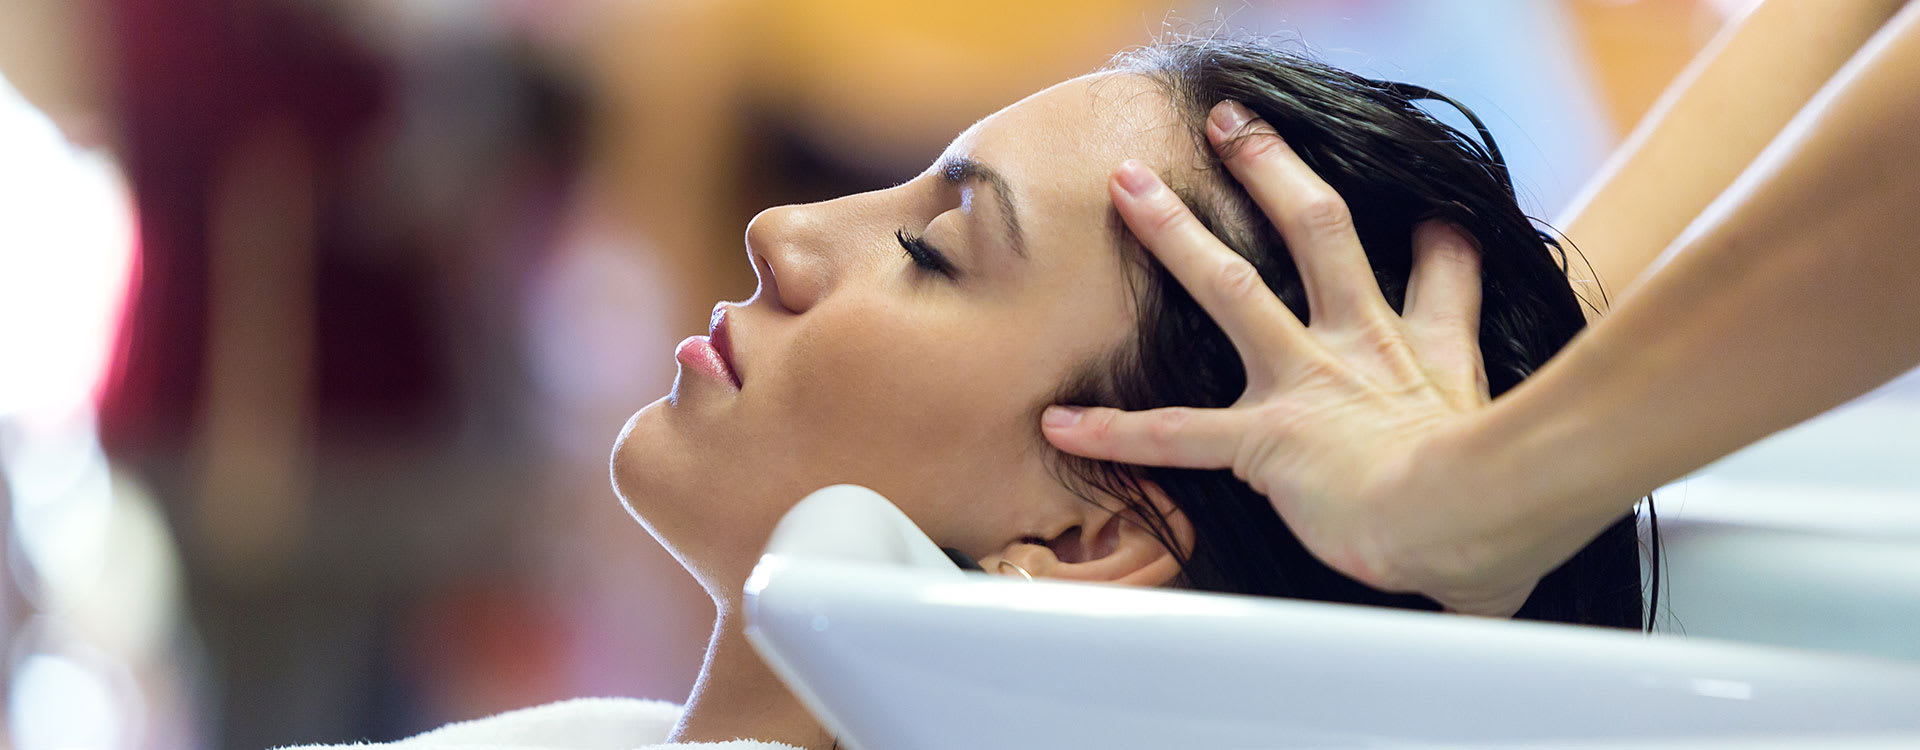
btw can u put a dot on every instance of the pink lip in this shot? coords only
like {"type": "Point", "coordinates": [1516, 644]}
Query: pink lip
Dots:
{"type": "Point", "coordinates": [713, 353]}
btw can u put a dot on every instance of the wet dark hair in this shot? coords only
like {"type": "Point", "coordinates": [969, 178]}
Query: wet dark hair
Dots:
{"type": "Point", "coordinates": [1395, 166]}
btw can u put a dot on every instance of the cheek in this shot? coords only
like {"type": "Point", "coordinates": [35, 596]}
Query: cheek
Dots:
{"type": "Point", "coordinates": [899, 371]}
{"type": "Point", "coordinates": [918, 402]}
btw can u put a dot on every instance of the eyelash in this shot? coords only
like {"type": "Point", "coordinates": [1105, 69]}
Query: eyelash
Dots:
{"type": "Point", "coordinates": [925, 256]}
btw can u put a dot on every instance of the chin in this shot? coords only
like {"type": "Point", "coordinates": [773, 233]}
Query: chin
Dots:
{"type": "Point", "coordinates": [641, 467]}
{"type": "Point", "coordinates": [684, 501]}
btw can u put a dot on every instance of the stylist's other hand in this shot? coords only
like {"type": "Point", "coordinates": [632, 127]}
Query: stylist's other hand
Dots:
{"type": "Point", "coordinates": [1338, 421]}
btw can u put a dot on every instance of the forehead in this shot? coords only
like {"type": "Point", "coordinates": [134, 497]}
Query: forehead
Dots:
{"type": "Point", "coordinates": [1059, 146]}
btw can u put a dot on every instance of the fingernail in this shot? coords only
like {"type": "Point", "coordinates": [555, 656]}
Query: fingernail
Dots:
{"type": "Point", "coordinates": [1229, 116]}
{"type": "Point", "coordinates": [1060, 416]}
{"type": "Point", "coordinates": [1135, 178]}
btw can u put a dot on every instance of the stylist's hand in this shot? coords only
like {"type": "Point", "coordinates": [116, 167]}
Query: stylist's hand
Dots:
{"type": "Point", "coordinates": [1339, 419]}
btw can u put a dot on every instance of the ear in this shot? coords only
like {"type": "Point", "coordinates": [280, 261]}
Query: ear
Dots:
{"type": "Point", "coordinates": [1102, 545]}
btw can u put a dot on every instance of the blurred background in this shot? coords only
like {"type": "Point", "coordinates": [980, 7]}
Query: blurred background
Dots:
{"type": "Point", "coordinates": [318, 317]}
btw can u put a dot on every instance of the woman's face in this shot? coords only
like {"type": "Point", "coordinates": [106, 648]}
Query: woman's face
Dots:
{"type": "Point", "coordinates": [856, 364]}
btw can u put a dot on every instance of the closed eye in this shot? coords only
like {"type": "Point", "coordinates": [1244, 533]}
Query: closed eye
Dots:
{"type": "Point", "coordinates": [925, 256]}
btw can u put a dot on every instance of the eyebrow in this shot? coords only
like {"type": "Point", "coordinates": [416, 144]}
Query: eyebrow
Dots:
{"type": "Point", "coordinates": [958, 169]}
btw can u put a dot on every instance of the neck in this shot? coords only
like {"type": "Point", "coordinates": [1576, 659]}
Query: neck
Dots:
{"type": "Point", "coordinates": [738, 697]}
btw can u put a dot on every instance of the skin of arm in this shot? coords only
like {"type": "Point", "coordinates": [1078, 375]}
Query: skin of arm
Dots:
{"type": "Point", "coordinates": [1712, 121]}
{"type": "Point", "coordinates": [1796, 290]}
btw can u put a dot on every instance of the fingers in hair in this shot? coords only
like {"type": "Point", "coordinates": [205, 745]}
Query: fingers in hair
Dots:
{"type": "Point", "coordinates": [1312, 218]}
{"type": "Point", "coordinates": [1179, 436]}
{"type": "Point", "coordinates": [1443, 305]}
{"type": "Point", "coordinates": [1227, 286]}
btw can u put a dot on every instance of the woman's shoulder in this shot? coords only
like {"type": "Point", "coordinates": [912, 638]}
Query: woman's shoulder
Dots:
{"type": "Point", "coordinates": [577, 724]}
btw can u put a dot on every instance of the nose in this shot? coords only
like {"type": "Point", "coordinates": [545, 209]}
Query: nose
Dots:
{"type": "Point", "coordinates": [786, 257]}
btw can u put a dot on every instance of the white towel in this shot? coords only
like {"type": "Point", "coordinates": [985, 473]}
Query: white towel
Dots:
{"type": "Point", "coordinates": [578, 724]}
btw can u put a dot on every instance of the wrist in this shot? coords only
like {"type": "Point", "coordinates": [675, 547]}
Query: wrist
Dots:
{"type": "Point", "coordinates": [1536, 483]}
{"type": "Point", "coordinates": [1469, 465]}
{"type": "Point", "coordinates": [1513, 508]}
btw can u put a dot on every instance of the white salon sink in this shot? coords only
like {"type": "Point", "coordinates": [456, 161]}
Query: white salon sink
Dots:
{"type": "Point", "coordinates": [1810, 538]}
{"type": "Point", "coordinates": [893, 647]}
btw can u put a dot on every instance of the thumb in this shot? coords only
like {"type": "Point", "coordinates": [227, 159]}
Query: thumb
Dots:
{"type": "Point", "coordinates": [1175, 436]}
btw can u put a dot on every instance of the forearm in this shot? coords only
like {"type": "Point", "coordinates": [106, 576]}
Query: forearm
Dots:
{"type": "Point", "coordinates": [1798, 289]}
{"type": "Point", "coordinates": [1711, 122]}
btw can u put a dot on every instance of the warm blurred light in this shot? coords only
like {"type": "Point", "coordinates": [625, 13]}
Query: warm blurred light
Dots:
{"type": "Point", "coordinates": [66, 248]}
{"type": "Point", "coordinates": [1731, 8]}
{"type": "Point", "coordinates": [593, 322]}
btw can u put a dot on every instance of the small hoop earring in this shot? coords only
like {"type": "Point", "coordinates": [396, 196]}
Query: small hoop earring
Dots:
{"type": "Point", "coordinates": [1004, 564]}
